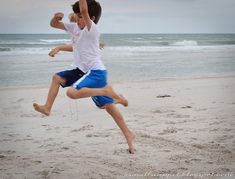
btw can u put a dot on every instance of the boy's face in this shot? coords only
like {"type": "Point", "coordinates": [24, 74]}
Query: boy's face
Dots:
{"type": "Point", "coordinates": [80, 21]}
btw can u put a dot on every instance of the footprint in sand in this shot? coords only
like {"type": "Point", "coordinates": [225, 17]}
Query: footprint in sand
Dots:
{"type": "Point", "coordinates": [2, 156]}
{"type": "Point", "coordinates": [163, 96]}
{"type": "Point", "coordinates": [199, 146]}
{"type": "Point", "coordinates": [190, 161]}
{"type": "Point", "coordinates": [140, 116]}
{"type": "Point", "coordinates": [84, 128]}
{"type": "Point", "coordinates": [168, 131]}
{"type": "Point", "coordinates": [44, 174]}
{"type": "Point", "coordinates": [120, 152]}
{"type": "Point", "coordinates": [98, 135]}
{"type": "Point", "coordinates": [92, 135]}
{"type": "Point", "coordinates": [65, 148]}
{"type": "Point", "coordinates": [179, 157]}
{"type": "Point", "coordinates": [186, 107]}
{"type": "Point", "coordinates": [57, 170]}
{"type": "Point", "coordinates": [160, 111]}
{"type": "Point", "coordinates": [175, 115]}
{"type": "Point", "coordinates": [47, 127]}
{"type": "Point", "coordinates": [183, 168]}
{"type": "Point", "coordinates": [37, 162]}
{"type": "Point", "coordinates": [20, 100]}
{"type": "Point", "coordinates": [195, 160]}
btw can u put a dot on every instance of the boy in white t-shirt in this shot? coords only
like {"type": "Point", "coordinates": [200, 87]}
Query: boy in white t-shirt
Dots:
{"type": "Point", "coordinates": [89, 79]}
{"type": "Point", "coordinates": [68, 47]}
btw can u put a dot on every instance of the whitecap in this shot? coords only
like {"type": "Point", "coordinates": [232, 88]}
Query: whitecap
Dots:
{"type": "Point", "coordinates": [185, 43]}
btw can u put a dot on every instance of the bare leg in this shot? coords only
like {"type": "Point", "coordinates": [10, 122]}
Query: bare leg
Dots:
{"type": "Point", "coordinates": [88, 92]}
{"type": "Point", "coordinates": [53, 91]}
{"type": "Point", "coordinates": [117, 116]}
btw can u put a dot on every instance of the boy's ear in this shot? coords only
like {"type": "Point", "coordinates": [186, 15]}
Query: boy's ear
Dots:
{"type": "Point", "coordinates": [93, 18]}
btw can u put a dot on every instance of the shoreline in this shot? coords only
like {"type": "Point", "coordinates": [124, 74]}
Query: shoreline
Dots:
{"type": "Point", "coordinates": [127, 82]}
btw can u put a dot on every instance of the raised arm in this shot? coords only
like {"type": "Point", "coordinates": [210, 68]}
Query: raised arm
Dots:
{"type": "Point", "coordinates": [84, 12]}
{"type": "Point", "coordinates": [56, 21]}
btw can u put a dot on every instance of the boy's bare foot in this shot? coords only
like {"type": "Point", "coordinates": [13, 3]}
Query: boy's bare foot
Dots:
{"type": "Point", "coordinates": [42, 109]}
{"type": "Point", "coordinates": [122, 100]}
{"type": "Point", "coordinates": [130, 140]}
{"type": "Point", "coordinates": [118, 98]}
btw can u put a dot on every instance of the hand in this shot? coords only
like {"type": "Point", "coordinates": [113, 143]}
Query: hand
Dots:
{"type": "Point", "coordinates": [58, 16]}
{"type": "Point", "coordinates": [53, 52]}
{"type": "Point", "coordinates": [101, 46]}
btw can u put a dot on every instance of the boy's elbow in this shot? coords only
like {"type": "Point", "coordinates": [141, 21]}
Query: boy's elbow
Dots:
{"type": "Point", "coordinates": [84, 11]}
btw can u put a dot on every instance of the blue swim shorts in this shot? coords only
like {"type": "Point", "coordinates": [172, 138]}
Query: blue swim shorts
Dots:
{"type": "Point", "coordinates": [95, 79]}
{"type": "Point", "coordinates": [92, 79]}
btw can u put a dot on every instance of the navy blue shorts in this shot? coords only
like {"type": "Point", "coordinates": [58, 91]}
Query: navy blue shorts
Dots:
{"type": "Point", "coordinates": [71, 76]}
{"type": "Point", "coordinates": [92, 79]}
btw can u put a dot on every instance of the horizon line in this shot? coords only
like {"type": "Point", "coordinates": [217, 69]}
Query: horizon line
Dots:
{"type": "Point", "coordinates": [128, 33]}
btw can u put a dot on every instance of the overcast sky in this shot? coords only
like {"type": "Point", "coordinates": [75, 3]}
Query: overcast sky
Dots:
{"type": "Point", "coordinates": [125, 16]}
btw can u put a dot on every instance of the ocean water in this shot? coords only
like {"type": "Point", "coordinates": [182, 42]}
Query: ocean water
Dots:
{"type": "Point", "coordinates": [128, 57]}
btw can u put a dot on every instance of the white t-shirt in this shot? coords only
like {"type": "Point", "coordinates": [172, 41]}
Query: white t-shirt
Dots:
{"type": "Point", "coordinates": [85, 47]}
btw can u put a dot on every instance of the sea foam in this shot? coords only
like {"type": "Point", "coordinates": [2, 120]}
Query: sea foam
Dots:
{"type": "Point", "coordinates": [185, 43]}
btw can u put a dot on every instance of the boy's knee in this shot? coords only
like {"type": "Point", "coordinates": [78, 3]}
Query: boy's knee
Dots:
{"type": "Point", "coordinates": [70, 93]}
{"type": "Point", "coordinates": [57, 78]}
{"type": "Point", "coordinates": [108, 107]}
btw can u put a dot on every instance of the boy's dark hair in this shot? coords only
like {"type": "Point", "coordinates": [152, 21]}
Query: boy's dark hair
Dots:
{"type": "Point", "coordinates": [94, 9]}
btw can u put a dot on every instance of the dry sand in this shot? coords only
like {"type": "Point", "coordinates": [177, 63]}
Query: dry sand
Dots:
{"type": "Point", "coordinates": [184, 129]}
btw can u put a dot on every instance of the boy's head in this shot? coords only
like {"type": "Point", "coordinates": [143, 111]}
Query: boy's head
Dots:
{"type": "Point", "coordinates": [94, 10]}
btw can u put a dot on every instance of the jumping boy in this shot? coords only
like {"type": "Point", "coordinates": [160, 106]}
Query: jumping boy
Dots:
{"type": "Point", "coordinates": [89, 79]}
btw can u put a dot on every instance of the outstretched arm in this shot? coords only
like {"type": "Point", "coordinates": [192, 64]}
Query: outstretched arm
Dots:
{"type": "Point", "coordinates": [56, 21]}
{"type": "Point", "coordinates": [66, 47]}
{"type": "Point", "coordinates": [84, 12]}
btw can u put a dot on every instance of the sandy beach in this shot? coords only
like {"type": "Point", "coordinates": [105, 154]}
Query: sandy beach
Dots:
{"type": "Point", "coordinates": [184, 128]}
